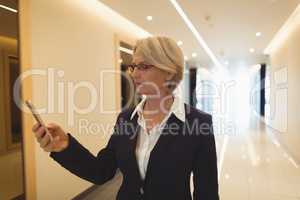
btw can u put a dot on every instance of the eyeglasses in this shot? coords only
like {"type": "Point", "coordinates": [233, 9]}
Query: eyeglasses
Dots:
{"type": "Point", "coordinates": [141, 66]}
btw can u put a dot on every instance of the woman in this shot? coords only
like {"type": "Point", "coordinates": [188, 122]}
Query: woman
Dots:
{"type": "Point", "coordinates": [157, 144]}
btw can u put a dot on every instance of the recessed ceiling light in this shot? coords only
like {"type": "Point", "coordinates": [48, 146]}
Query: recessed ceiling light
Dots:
{"type": "Point", "coordinates": [258, 34]}
{"type": "Point", "coordinates": [227, 176]}
{"type": "Point", "coordinates": [179, 43]}
{"type": "Point", "coordinates": [258, 159]}
{"type": "Point", "coordinates": [252, 50]}
{"type": "Point", "coordinates": [8, 8]}
{"type": "Point", "coordinates": [226, 62]}
{"type": "Point", "coordinates": [194, 55]}
{"type": "Point", "coordinates": [149, 18]}
{"type": "Point", "coordinates": [244, 157]}
{"type": "Point", "coordinates": [186, 58]}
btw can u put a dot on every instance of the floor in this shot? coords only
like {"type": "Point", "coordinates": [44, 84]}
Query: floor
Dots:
{"type": "Point", "coordinates": [254, 166]}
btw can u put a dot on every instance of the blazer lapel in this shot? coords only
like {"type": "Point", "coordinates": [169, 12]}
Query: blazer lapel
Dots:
{"type": "Point", "coordinates": [133, 135]}
{"type": "Point", "coordinates": [172, 129]}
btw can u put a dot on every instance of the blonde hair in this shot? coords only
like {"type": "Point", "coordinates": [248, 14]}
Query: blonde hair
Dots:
{"type": "Point", "coordinates": [163, 53]}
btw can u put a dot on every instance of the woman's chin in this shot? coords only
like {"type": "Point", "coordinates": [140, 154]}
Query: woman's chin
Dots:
{"type": "Point", "coordinates": [142, 92]}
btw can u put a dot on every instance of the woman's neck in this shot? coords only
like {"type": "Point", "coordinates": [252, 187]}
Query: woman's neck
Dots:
{"type": "Point", "coordinates": [158, 104]}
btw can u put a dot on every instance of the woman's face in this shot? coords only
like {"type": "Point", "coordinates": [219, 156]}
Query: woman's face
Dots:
{"type": "Point", "coordinates": [148, 79]}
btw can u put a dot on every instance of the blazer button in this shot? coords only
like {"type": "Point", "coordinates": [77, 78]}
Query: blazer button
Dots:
{"type": "Point", "coordinates": [141, 190]}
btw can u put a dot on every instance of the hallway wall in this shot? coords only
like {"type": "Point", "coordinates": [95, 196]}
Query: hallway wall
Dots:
{"type": "Point", "coordinates": [285, 67]}
{"type": "Point", "coordinates": [72, 43]}
{"type": "Point", "coordinates": [11, 166]}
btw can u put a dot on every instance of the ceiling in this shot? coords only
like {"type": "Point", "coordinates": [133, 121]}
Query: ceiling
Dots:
{"type": "Point", "coordinates": [8, 19]}
{"type": "Point", "coordinates": [227, 26]}
{"type": "Point", "coordinates": [10, 3]}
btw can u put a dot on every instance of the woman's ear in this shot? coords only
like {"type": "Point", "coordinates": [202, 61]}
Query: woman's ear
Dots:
{"type": "Point", "coordinates": [169, 84]}
{"type": "Point", "coordinates": [169, 76]}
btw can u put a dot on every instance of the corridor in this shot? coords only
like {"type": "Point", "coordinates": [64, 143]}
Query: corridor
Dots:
{"type": "Point", "coordinates": [77, 62]}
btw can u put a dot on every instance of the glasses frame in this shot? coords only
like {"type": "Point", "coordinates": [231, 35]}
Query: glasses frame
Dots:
{"type": "Point", "coordinates": [141, 67]}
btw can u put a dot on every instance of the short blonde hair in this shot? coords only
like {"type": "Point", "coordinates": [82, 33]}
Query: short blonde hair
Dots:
{"type": "Point", "coordinates": [163, 53]}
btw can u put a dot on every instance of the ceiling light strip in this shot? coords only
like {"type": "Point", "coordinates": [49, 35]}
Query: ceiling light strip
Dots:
{"type": "Point", "coordinates": [196, 33]}
{"type": "Point", "coordinates": [8, 8]}
{"type": "Point", "coordinates": [125, 50]}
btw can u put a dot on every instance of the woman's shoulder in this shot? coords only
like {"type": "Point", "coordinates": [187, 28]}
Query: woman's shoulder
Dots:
{"type": "Point", "coordinates": [193, 113]}
{"type": "Point", "coordinates": [199, 123]}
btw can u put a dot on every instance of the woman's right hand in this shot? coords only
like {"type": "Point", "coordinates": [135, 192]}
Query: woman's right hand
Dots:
{"type": "Point", "coordinates": [60, 138]}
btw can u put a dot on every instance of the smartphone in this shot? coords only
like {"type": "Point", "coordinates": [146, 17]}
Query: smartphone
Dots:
{"type": "Point", "coordinates": [37, 117]}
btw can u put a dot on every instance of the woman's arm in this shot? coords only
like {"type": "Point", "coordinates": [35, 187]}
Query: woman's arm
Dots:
{"type": "Point", "coordinates": [79, 161]}
{"type": "Point", "coordinates": [205, 166]}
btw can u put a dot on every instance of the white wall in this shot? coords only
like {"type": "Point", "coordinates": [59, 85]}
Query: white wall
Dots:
{"type": "Point", "coordinates": [285, 66]}
{"type": "Point", "coordinates": [76, 37]}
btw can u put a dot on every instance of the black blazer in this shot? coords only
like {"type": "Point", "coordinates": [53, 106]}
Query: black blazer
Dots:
{"type": "Point", "coordinates": [181, 149]}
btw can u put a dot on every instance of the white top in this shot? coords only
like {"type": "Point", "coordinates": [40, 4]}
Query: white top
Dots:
{"type": "Point", "coordinates": [146, 142]}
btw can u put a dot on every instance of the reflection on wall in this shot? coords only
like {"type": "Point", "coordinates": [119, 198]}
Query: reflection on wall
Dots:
{"type": "Point", "coordinates": [128, 94]}
{"type": "Point", "coordinates": [205, 91]}
{"type": "Point", "coordinates": [11, 164]}
{"type": "Point", "coordinates": [16, 121]}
